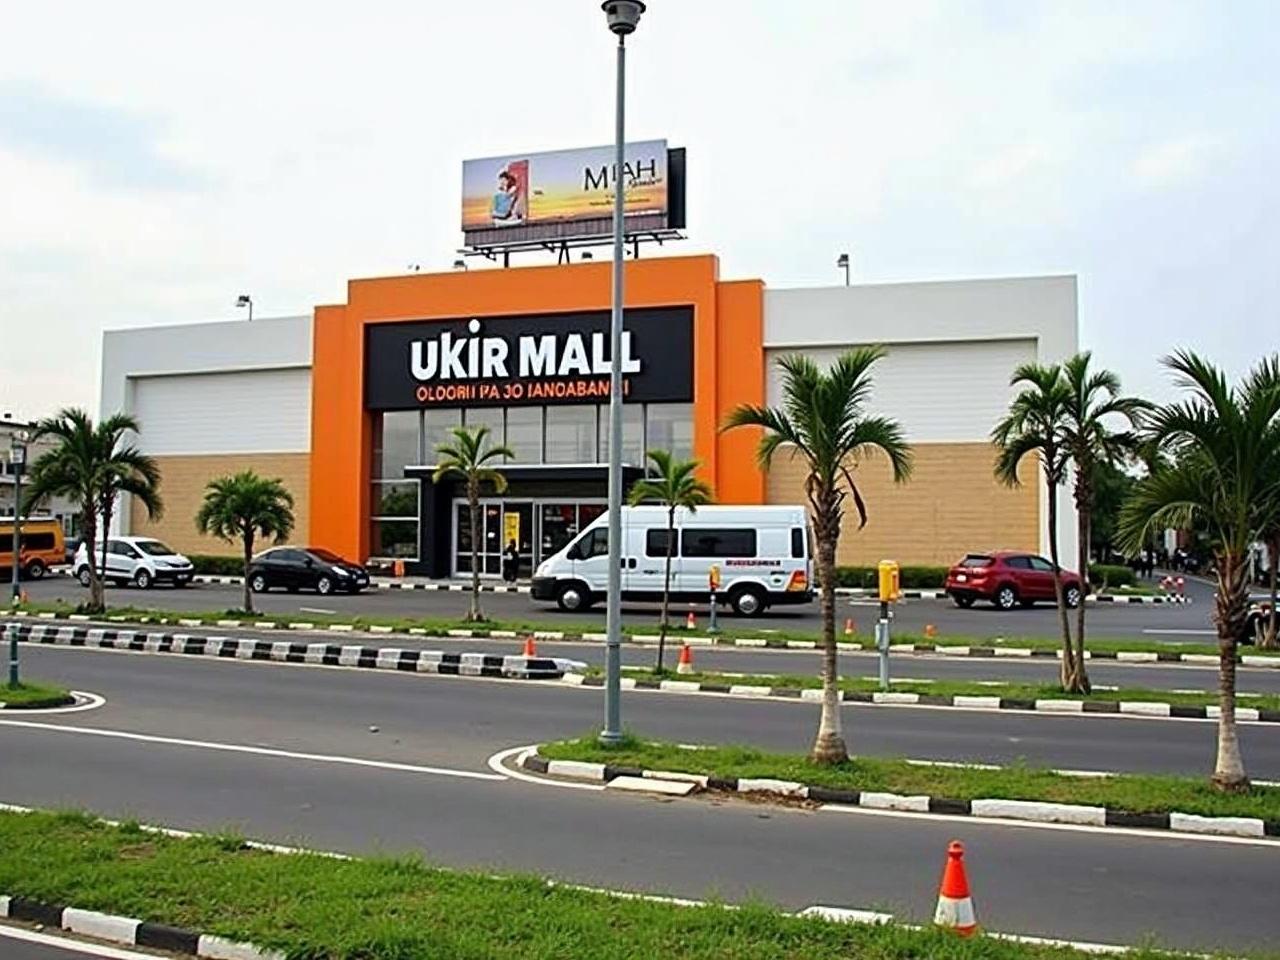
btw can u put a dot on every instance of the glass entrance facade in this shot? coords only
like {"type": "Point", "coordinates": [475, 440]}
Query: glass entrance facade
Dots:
{"type": "Point", "coordinates": [540, 528]}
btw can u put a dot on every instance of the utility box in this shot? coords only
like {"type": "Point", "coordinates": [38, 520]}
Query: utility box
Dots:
{"type": "Point", "coordinates": [890, 588]}
{"type": "Point", "coordinates": [713, 577]}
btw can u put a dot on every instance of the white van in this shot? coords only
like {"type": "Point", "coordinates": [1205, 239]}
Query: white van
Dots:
{"type": "Point", "coordinates": [764, 555]}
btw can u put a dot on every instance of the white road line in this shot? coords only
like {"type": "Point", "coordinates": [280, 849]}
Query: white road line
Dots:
{"type": "Point", "coordinates": [315, 610]}
{"type": "Point", "coordinates": [256, 751]}
{"type": "Point", "coordinates": [78, 946]}
{"type": "Point", "coordinates": [93, 703]}
{"type": "Point", "coordinates": [496, 764]}
{"type": "Point", "coordinates": [1177, 632]}
{"type": "Point", "coordinates": [1115, 833]}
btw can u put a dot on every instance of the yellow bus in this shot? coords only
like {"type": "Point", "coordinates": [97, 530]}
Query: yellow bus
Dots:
{"type": "Point", "coordinates": [41, 547]}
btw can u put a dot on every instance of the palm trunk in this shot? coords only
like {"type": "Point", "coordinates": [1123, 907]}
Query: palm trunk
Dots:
{"type": "Point", "coordinates": [248, 556]}
{"type": "Point", "coordinates": [90, 520]}
{"type": "Point", "coordinates": [1068, 672]}
{"type": "Point", "coordinates": [829, 746]}
{"type": "Point", "coordinates": [473, 503]}
{"type": "Point", "coordinates": [106, 511]}
{"type": "Point", "coordinates": [1268, 639]}
{"type": "Point", "coordinates": [1232, 608]}
{"type": "Point", "coordinates": [666, 586]}
{"type": "Point", "coordinates": [1084, 517]}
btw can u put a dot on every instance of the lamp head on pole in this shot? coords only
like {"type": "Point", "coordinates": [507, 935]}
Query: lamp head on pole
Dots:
{"type": "Point", "coordinates": [842, 260]}
{"type": "Point", "coordinates": [623, 15]}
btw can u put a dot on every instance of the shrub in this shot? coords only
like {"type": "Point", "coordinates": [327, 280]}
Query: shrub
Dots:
{"type": "Point", "coordinates": [910, 578]}
{"type": "Point", "coordinates": [1111, 575]}
{"type": "Point", "coordinates": [217, 566]}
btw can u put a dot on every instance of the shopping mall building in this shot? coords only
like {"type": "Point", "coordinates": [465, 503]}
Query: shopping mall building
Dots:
{"type": "Point", "coordinates": [348, 405]}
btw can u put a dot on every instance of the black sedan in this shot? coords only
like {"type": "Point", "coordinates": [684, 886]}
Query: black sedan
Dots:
{"type": "Point", "coordinates": [312, 568]}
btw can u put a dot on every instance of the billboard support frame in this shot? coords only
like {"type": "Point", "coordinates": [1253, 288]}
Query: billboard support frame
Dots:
{"type": "Point", "coordinates": [561, 246]}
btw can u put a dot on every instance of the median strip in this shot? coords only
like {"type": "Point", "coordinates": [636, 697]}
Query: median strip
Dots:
{"type": "Point", "coordinates": [1175, 804]}
{"type": "Point", "coordinates": [224, 897]}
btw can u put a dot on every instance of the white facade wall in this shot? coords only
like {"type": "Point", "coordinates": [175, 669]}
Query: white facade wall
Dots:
{"type": "Point", "coordinates": [206, 388]}
{"type": "Point", "coordinates": [951, 348]}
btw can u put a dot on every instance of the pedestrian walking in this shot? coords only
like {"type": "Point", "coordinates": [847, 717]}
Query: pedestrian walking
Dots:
{"type": "Point", "coordinates": [511, 562]}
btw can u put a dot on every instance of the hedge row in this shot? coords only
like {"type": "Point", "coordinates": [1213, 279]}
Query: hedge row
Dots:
{"type": "Point", "coordinates": [1111, 575]}
{"type": "Point", "coordinates": [911, 578]}
{"type": "Point", "coordinates": [217, 566]}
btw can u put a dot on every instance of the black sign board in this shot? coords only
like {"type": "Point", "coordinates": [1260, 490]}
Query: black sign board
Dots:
{"type": "Point", "coordinates": [515, 361]}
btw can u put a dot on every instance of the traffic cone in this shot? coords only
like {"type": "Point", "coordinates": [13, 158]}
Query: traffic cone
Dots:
{"type": "Point", "coordinates": [685, 664]}
{"type": "Point", "coordinates": [691, 622]}
{"type": "Point", "coordinates": [930, 630]}
{"type": "Point", "coordinates": [955, 907]}
{"type": "Point", "coordinates": [530, 648]}
{"type": "Point", "coordinates": [848, 627]}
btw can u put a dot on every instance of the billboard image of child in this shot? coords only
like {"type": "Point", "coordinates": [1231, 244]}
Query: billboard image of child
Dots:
{"type": "Point", "coordinates": [509, 205]}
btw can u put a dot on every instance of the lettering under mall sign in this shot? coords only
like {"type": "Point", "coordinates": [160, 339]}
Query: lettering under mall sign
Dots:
{"type": "Point", "coordinates": [511, 361]}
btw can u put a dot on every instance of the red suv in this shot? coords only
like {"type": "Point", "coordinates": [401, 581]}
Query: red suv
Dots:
{"type": "Point", "coordinates": [1008, 579]}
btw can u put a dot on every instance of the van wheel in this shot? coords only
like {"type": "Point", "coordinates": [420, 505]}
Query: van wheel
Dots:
{"type": "Point", "coordinates": [747, 602]}
{"type": "Point", "coordinates": [142, 580]}
{"type": "Point", "coordinates": [35, 570]}
{"type": "Point", "coordinates": [573, 597]}
{"type": "Point", "coordinates": [84, 576]}
{"type": "Point", "coordinates": [1006, 597]}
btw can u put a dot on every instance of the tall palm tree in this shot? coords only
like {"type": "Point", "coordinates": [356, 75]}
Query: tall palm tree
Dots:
{"type": "Point", "coordinates": [823, 421]}
{"type": "Point", "coordinates": [1225, 475]}
{"type": "Point", "coordinates": [674, 484]}
{"type": "Point", "coordinates": [93, 464]}
{"type": "Point", "coordinates": [241, 507]}
{"type": "Point", "coordinates": [1034, 426]}
{"type": "Point", "coordinates": [1093, 403]}
{"type": "Point", "coordinates": [468, 457]}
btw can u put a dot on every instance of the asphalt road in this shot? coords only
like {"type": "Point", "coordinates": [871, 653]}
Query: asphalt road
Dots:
{"type": "Point", "coordinates": [1163, 622]}
{"type": "Point", "coordinates": [13, 948]}
{"type": "Point", "coordinates": [1078, 884]}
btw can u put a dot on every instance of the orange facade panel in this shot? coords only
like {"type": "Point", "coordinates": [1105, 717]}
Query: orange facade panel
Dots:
{"type": "Point", "coordinates": [728, 359]}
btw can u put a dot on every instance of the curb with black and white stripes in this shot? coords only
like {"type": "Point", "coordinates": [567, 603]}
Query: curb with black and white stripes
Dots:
{"type": "Point", "coordinates": [640, 639]}
{"type": "Point", "coordinates": [1034, 811]}
{"type": "Point", "coordinates": [127, 930]}
{"type": "Point", "coordinates": [1061, 707]}
{"type": "Point", "coordinates": [383, 583]}
{"type": "Point", "coordinates": [512, 667]}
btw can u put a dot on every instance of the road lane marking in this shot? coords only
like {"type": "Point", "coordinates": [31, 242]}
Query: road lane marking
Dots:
{"type": "Point", "coordinates": [92, 702]}
{"type": "Point", "coordinates": [1179, 632]}
{"type": "Point", "coordinates": [315, 610]}
{"type": "Point", "coordinates": [495, 763]}
{"type": "Point", "coordinates": [256, 751]}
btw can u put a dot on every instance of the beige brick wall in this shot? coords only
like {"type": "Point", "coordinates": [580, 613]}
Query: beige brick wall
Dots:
{"type": "Point", "coordinates": [952, 505]}
{"type": "Point", "coordinates": [182, 485]}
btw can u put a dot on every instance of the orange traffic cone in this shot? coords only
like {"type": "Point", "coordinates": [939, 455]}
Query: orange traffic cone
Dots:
{"type": "Point", "coordinates": [530, 648]}
{"type": "Point", "coordinates": [930, 630]}
{"type": "Point", "coordinates": [685, 664]}
{"type": "Point", "coordinates": [848, 627]}
{"type": "Point", "coordinates": [955, 907]}
{"type": "Point", "coordinates": [691, 622]}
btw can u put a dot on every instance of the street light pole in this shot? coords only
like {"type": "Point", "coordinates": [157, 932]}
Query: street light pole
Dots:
{"type": "Point", "coordinates": [622, 16]}
{"type": "Point", "coordinates": [17, 460]}
{"type": "Point", "coordinates": [843, 261]}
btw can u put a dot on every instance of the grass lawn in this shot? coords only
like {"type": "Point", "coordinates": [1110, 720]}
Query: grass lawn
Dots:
{"type": "Point", "coordinates": [320, 908]}
{"type": "Point", "coordinates": [1136, 794]}
{"type": "Point", "coordinates": [34, 695]}
{"type": "Point", "coordinates": [772, 637]}
{"type": "Point", "coordinates": [961, 688]}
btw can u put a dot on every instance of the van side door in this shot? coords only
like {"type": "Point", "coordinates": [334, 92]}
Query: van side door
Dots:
{"type": "Point", "coordinates": [649, 549]}
{"type": "Point", "coordinates": [591, 558]}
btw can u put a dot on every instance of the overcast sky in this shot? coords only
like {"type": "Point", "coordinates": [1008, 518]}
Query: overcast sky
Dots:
{"type": "Point", "coordinates": [157, 159]}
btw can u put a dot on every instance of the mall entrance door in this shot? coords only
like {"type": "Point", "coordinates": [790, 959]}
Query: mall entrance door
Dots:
{"type": "Point", "coordinates": [540, 528]}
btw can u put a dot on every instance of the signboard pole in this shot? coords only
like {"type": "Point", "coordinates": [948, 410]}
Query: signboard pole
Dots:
{"type": "Point", "coordinates": [612, 732]}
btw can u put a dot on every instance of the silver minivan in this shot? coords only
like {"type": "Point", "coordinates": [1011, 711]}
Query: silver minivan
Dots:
{"type": "Point", "coordinates": [141, 561]}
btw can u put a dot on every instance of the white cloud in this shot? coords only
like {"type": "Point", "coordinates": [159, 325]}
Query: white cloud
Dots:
{"type": "Point", "coordinates": [1173, 162]}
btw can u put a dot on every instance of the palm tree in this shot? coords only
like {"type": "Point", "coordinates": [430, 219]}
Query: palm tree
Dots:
{"type": "Point", "coordinates": [1034, 425]}
{"type": "Point", "coordinates": [467, 457]}
{"type": "Point", "coordinates": [241, 507]}
{"type": "Point", "coordinates": [823, 421]}
{"type": "Point", "coordinates": [1093, 399]}
{"type": "Point", "coordinates": [1225, 475]}
{"type": "Point", "coordinates": [675, 485]}
{"type": "Point", "coordinates": [92, 464]}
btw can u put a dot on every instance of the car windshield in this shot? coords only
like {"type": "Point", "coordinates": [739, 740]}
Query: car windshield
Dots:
{"type": "Point", "coordinates": [975, 560]}
{"type": "Point", "coordinates": [153, 547]}
{"type": "Point", "coordinates": [326, 556]}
